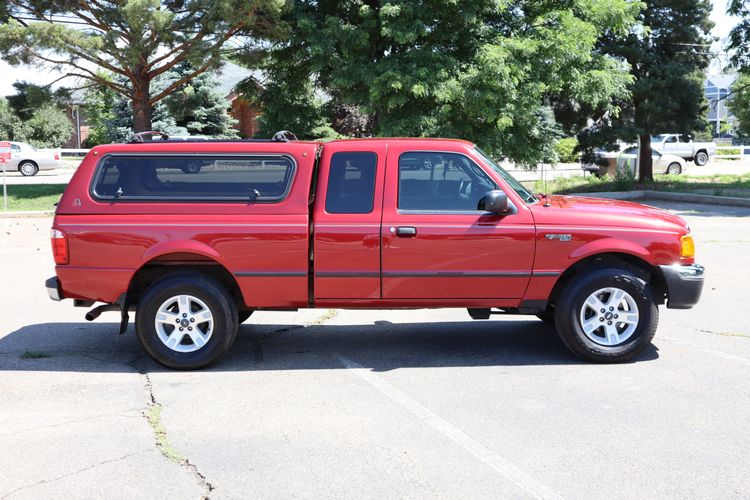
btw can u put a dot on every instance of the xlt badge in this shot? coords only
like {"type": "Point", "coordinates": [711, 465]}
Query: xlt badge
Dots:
{"type": "Point", "coordinates": [561, 237]}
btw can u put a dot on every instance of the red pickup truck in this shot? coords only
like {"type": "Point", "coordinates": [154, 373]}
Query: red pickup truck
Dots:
{"type": "Point", "coordinates": [195, 236]}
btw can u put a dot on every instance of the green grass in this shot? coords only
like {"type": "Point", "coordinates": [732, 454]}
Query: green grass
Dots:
{"type": "Point", "coordinates": [35, 355]}
{"type": "Point", "coordinates": [153, 415]}
{"type": "Point", "coordinates": [716, 185]}
{"type": "Point", "coordinates": [33, 196]}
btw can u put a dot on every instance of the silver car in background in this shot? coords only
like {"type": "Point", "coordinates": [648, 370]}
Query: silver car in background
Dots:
{"type": "Point", "coordinates": [625, 160]}
{"type": "Point", "coordinates": [29, 160]}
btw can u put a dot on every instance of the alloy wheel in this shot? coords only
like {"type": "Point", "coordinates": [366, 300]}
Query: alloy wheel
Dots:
{"type": "Point", "coordinates": [609, 316]}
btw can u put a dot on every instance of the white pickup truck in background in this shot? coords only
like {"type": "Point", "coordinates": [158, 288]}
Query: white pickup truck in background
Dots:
{"type": "Point", "coordinates": [698, 152]}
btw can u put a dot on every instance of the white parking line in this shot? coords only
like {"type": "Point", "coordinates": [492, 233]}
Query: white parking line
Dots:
{"type": "Point", "coordinates": [489, 457]}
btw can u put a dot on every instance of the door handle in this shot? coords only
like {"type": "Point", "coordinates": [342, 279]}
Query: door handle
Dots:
{"type": "Point", "coordinates": [406, 231]}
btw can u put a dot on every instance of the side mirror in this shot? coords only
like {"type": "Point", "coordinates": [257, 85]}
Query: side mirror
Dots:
{"type": "Point", "coordinates": [495, 201]}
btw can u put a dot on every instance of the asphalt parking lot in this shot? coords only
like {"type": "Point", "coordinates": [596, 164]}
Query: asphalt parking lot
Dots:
{"type": "Point", "coordinates": [374, 404]}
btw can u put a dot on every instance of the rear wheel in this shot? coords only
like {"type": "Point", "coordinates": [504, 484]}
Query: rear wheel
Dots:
{"type": "Point", "coordinates": [701, 158]}
{"type": "Point", "coordinates": [28, 168]}
{"type": "Point", "coordinates": [608, 315]}
{"type": "Point", "coordinates": [186, 321]}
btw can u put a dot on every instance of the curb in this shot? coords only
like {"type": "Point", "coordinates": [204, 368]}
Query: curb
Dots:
{"type": "Point", "coordinates": [703, 199]}
{"type": "Point", "coordinates": [19, 215]}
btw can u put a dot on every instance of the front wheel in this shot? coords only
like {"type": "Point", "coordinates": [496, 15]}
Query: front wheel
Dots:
{"type": "Point", "coordinates": [186, 321]}
{"type": "Point", "coordinates": [701, 158]}
{"type": "Point", "coordinates": [608, 315]}
{"type": "Point", "coordinates": [674, 169]}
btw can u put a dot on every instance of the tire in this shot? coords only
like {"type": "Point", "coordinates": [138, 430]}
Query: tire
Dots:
{"type": "Point", "coordinates": [674, 169]}
{"type": "Point", "coordinates": [607, 342]}
{"type": "Point", "coordinates": [28, 168]}
{"type": "Point", "coordinates": [701, 158]}
{"type": "Point", "coordinates": [185, 297]}
{"type": "Point", "coordinates": [242, 316]}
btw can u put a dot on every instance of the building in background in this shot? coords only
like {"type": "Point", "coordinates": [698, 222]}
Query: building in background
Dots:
{"type": "Point", "coordinates": [716, 89]}
{"type": "Point", "coordinates": [245, 114]}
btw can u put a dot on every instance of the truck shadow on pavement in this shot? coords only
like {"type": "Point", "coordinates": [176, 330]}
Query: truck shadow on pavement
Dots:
{"type": "Point", "coordinates": [382, 346]}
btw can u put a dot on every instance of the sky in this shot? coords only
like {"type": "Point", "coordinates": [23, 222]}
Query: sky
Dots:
{"type": "Point", "coordinates": [9, 74]}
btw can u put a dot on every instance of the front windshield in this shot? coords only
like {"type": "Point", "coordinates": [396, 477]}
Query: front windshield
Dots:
{"type": "Point", "coordinates": [512, 182]}
{"type": "Point", "coordinates": [658, 138]}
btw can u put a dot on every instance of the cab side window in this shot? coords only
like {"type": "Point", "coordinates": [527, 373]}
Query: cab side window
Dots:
{"type": "Point", "coordinates": [15, 148]}
{"type": "Point", "coordinates": [440, 182]}
{"type": "Point", "coordinates": [351, 183]}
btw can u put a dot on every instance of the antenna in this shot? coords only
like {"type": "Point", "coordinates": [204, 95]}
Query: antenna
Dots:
{"type": "Point", "coordinates": [544, 180]}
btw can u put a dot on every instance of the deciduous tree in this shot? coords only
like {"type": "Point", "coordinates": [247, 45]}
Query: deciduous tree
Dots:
{"type": "Point", "coordinates": [667, 55]}
{"type": "Point", "coordinates": [480, 69]}
{"type": "Point", "coordinates": [739, 104]}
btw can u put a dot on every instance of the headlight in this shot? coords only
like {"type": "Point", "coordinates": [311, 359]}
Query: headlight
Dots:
{"type": "Point", "coordinates": [687, 247]}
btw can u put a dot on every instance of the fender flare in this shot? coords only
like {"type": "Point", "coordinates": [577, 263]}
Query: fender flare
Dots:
{"type": "Point", "coordinates": [181, 246]}
{"type": "Point", "coordinates": [609, 246]}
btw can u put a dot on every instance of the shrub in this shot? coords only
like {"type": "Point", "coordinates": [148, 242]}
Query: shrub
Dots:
{"type": "Point", "coordinates": [565, 148]}
{"type": "Point", "coordinates": [624, 178]}
{"type": "Point", "coordinates": [50, 128]}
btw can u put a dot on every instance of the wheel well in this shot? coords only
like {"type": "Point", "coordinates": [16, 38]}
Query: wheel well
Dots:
{"type": "Point", "coordinates": [165, 265]}
{"type": "Point", "coordinates": [645, 271]}
{"type": "Point", "coordinates": [27, 161]}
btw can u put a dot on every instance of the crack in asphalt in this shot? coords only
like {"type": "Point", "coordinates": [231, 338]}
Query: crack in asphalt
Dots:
{"type": "Point", "coordinates": [153, 409]}
{"type": "Point", "coordinates": [257, 348]}
{"type": "Point", "coordinates": [70, 474]}
{"type": "Point", "coordinates": [152, 414]}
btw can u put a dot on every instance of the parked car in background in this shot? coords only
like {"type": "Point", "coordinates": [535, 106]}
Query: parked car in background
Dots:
{"type": "Point", "coordinates": [698, 152]}
{"type": "Point", "coordinates": [29, 160]}
{"type": "Point", "coordinates": [663, 163]}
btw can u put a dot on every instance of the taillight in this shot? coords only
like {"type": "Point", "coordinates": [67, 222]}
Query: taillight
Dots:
{"type": "Point", "coordinates": [59, 246]}
{"type": "Point", "coordinates": [57, 157]}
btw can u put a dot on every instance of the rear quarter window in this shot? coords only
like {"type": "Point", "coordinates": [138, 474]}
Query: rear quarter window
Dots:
{"type": "Point", "coordinates": [241, 178]}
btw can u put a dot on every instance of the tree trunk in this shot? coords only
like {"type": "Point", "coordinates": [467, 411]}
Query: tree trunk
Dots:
{"type": "Point", "coordinates": [141, 110]}
{"type": "Point", "coordinates": [645, 161]}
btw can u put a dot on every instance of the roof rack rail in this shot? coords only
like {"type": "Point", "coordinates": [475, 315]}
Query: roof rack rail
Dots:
{"type": "Point", "coordinates": [283, 136]}
{"type": "Point", "coordinates": [148, 136]}
{"type": "Point", "coordinates": [141, 136]}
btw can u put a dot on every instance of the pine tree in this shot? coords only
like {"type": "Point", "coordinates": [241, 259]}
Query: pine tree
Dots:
{"type": "Point", "coordinates": [137, 41]}
{"type": "Point", "coordinates": [200, 107]}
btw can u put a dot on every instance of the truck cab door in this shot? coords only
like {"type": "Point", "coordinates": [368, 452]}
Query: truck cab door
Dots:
{"type": "Point", "coordinates": [346, 221]}
{"type": "Point", "coordinates": [672, 146]}
{"type": "Point", "coordinates": [439, 248]}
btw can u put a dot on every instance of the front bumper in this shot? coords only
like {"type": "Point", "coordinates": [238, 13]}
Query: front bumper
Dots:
{"type": "Point", "coordinates": [684, 285]}
{"type": "Point", "coordinates": [53, 289]}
